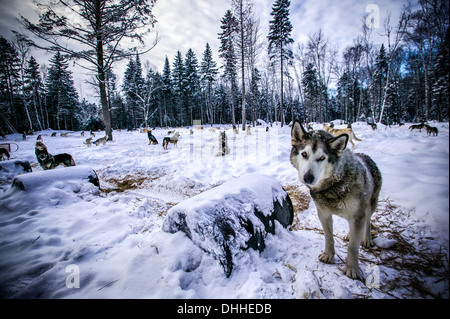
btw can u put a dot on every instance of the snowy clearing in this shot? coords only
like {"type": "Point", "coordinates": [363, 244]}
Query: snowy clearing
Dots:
{"type": "Point", "coordinates": [111, 238]}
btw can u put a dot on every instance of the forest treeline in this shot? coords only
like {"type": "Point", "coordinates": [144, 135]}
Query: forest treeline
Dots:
{"type": "Point", "coordinates": [258, 76]}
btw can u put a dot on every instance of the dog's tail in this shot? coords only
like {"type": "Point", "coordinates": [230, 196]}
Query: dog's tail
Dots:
{"type": "Point", "coordinates": [354, 136]}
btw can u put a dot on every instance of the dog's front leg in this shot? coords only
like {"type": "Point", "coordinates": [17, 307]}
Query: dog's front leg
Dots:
{"type": "Point", "coordinates": [327, 256]}
{"type": "Point", "coordinates": [351, 268]}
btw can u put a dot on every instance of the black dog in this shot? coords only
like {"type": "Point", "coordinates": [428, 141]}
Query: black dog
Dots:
{"type": "Point", "coordinates": [151, 138]}
{"type": "Point", "coordinates": [48, 161]}
{"type": "Point", "coordinates": [4, 154]}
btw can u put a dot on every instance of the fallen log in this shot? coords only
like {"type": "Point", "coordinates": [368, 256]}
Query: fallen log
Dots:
{"type": "Point", "coordinates": [44, 178]}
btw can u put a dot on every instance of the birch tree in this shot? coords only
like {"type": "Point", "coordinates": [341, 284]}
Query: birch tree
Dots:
{"type": "Point", "coordinates": [393, 41]}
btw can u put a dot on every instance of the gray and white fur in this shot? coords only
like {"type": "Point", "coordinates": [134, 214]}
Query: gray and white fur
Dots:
{"type": "Point", "coordinates": [341, 183]}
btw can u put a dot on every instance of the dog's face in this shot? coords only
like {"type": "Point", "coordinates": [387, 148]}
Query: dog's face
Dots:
{"type": "Point", "coordinates": [315, 155]}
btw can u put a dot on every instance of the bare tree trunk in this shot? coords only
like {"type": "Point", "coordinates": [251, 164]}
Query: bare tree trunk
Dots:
{"type": "Point", "coordinates": [242, 65]}
{"type": "Point", "coordinates": [281, 95]}
{"type": "Point", "coordinates": [101, 72]}
{"type": "Point", "coordinates": [233, 116]}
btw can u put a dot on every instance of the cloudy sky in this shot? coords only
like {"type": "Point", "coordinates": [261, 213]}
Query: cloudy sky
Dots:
{"type": "Point", "coordinates": [184, 24]}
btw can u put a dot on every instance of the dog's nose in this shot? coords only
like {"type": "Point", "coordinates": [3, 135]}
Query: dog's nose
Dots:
{"type": "Point", "coordinates": [308, 177]}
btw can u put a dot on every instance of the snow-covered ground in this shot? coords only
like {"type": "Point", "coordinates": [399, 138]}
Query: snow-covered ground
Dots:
{"type": "Point", "coordinates": [111, 238]}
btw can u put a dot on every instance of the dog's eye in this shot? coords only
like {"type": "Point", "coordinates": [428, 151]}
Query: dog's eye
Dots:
{"type": "Point", "coordinates": [320, 159]}
{"type": "Point", "coordinates": [304, 155]}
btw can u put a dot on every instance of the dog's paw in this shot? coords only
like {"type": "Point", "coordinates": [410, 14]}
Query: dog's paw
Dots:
{"type": "Point", "coordinates": [353, 272]}
{"type": "Point", "coordinates": [367, 243]}
{"type": "Point", "coordinates": [347, 237]}
{"type": "Point", "coordinates": [326, 258]}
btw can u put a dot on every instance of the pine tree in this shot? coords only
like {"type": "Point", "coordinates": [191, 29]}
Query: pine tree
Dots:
{"type": "Point", "coordinates": [279, 39]}
{"type": "Point", "coordinates": [10, 109]}
{"type": "Point", "coordinates": [311, 91]}
{"type": "Point", "coordinates": [379, 79]}
{"type": "Point", "coordinates": [227, 53]}
{"type": "Point", "coordinates": [62, 98]}
{"type": "Point", "coordinates": [178, 84]}
{"type": "Point", "coordinates": [255, 94]}
{"type": "Point", "coordinates": [208, 71]}
{"type": "Point", "coordinates": [133, 87]}
{"type": "Point", "coordinates": [166, 112]}
{"type": "Point", "coordinates": [129, 87]}
{"type": "Point", "coordinates": [119, 116]}
{"type": "Point", "coordinates": [191, 85]}
{"type": "Point", "coordinates": [241, 9]}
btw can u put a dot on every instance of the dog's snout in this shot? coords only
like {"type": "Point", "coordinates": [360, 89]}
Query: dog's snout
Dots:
{"type": "Point", "coordinates": [308, 177]}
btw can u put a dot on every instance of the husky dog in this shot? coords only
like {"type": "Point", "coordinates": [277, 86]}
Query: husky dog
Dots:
{"type": "Point", "coordinates": [249, 131]}
{"type": "Point", "coordinates": [49, 161]}
{"type": "Point", "coordinates": [172, 139]}
{"type": "Point", "coordinates": [417, 127]}
{"type": "Point", "coordinates": [341, 183]}
{"type": "Point", "coordinates": [235, 130]}
{"type": "Point", "coordinates": [223, 145]}
{"type": "Point", "coordinates": [88, 141]}
{"type": "Point", "coordinates": [336, 132]}
{"type": "Point", "coordinates": [4, 154]}
{"type": "Point", "coordinates": [64, 134]}
{"type": "Point", "coordinates": [151, 138]}
{"type": "Point", "coordinates": [431, 130]}
{"type": "Point", "coordinates": [101, 140]}
{"type": "Point", "coordinates": [53, 134]}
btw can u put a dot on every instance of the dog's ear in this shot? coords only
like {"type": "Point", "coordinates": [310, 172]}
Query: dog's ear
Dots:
{"type": "Point", "coordinates": [339, 143]}
{"type": "Point", "coordinates": [298, 133]}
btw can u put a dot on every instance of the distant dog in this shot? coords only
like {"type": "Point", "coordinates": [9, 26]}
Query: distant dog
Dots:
{"type": "Point", "coordinates": [431, 130]}
{"type": "Point", "coordinates": [337, 132]}
{"type": "Point", "coordinates": [101, 140]}
{"type": "Point", "coordinates": [49, 161]}
{"type": "Point", "coordinates": [152, 139]}
{"type": "Point", "coordinates": [172, 139]}
{"type": "Point", "coordinates": [4, 154]}
{"type": "Point", "coordinates": [373, 125]}
{"type": "Point", "coordinates": [53, 134]}
{"type": "Point", "coordinates": [235, 130]}
{"type": "Point", "coordinates": [223, 145]}
{"type": "Point", "coordinates": [249, 132]}
{"type": "Point", "coordinates": [88, 141]}
{"type": "Point", "coordinates": [64, 134]}
{"type": "Point", "coordinates": [417, 127]}
{"type": "Point", "coordinates": [341, 183]}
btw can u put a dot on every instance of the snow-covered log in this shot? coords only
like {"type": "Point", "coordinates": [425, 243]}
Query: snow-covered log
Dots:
{"type": "Point", "coordinates": [15, 167]}
{"type": "Point", "coordinates": [44, 178]}
{"type": "Point", "coordinates": [232, 217]}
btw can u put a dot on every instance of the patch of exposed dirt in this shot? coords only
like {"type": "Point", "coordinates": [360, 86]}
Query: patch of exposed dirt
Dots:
{"type": "Point", "coordinates": [128, 182]}
{"type": "Point", "coordinates": [300, 200]}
